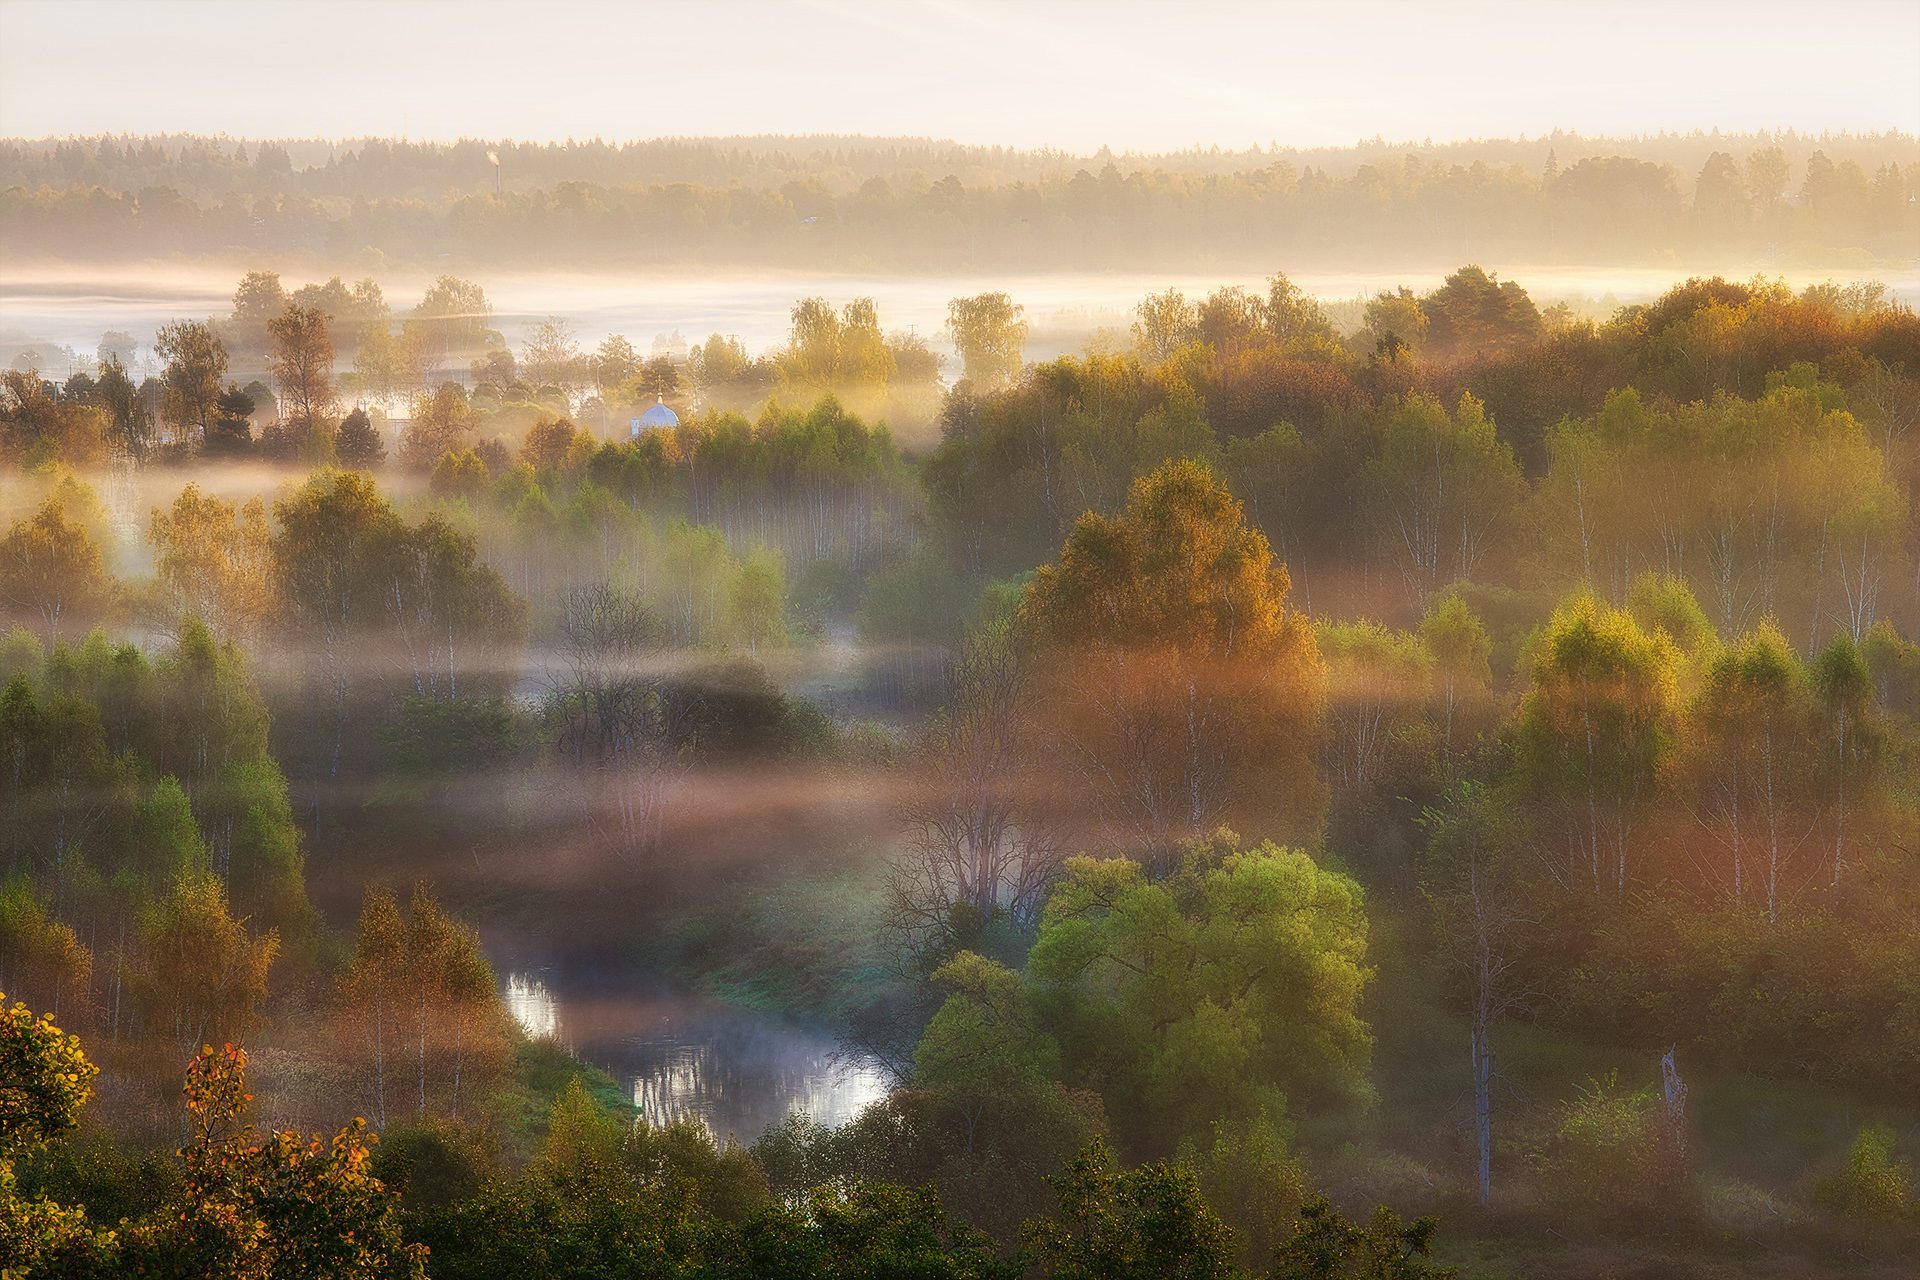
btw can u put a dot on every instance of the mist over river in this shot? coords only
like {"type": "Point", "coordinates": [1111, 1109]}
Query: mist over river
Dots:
{"type": "Point", "coordinates": [47, 308]}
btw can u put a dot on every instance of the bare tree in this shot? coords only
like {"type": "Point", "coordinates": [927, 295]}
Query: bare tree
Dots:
{"type": "Point", "coordinates": [552, 357]}
{"type": "Point", "coordinates": [980, 842]}
{"type": "Point", "coordinates": [612, 713]}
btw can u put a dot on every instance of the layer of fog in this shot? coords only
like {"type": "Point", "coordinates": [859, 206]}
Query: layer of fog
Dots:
{"type": "Point", "coordinates": [51, 311]}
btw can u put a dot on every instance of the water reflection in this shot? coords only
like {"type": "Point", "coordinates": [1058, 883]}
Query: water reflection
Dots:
{"type": "Point", "coordinates": [532, 1005]}
{"type": "Point", "coordinates": [679, 1054]}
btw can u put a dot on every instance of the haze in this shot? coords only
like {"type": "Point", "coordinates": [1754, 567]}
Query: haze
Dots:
{"type": "Point", "coordinates": [960, 640]}
{"type": "Point", "coordinates": [1075, 76]}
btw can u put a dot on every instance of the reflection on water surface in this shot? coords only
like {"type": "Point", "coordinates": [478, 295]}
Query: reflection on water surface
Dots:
{"type": "Point", "coordinates": [532, 1005]}
{"type": "Point", "coordinates": [680, 1054]}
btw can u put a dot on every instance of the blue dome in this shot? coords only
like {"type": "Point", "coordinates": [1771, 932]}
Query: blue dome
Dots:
{"type": "Point", "coordinates": [660, 415]}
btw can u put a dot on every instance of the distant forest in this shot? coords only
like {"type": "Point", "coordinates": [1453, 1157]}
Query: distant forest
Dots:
{"type": "Point", "coordinates": [1781, 200]}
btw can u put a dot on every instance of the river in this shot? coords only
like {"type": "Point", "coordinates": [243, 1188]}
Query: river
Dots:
{"type": "Point", "coordinates": [677, 1053]}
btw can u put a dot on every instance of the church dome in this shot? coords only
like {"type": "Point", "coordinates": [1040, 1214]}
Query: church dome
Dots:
{"type": "Point", "coordinates": [659, 415]}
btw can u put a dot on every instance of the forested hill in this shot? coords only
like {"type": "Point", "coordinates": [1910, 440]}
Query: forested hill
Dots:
{"type": "Point", "coordinates": [909, 204]}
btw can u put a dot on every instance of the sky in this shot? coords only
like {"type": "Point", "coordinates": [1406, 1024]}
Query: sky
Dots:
{"type": "Point", "coordinates": [1142, 77]}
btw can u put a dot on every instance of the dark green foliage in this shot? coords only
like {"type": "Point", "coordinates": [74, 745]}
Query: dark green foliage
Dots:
{"type": "Point", "coordinates": [126, 772]}
{"type": "Point", "coordinates": [873, 1231]}
{"type": "Point", "coordinates": [1148, 1223]}
{"type": "Point", "coordinates": [732, 711]}
{"type": "Point", "coordinates": [1735, 992]}
{"type": "Point", "coordinates": [1473, 314]}
{"type": "Point", "coordinates": [443, 749]}
{"type": "Point", "coordinates": [359, 444]}
{"type": "Point", "coordinates": [230, 430]}
{"type": "Point", "coordinates": [432, 1163]}
{"type": "Point", "coordinates": [986, 1150]}
{"type": "Point", "coordinates": [1325, 1246]}
{"type": "Point", "coordinates": [113, 1184]}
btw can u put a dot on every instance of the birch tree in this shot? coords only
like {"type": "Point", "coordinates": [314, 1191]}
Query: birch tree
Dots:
{"type": "Point", "coordinates": [1595, 728]}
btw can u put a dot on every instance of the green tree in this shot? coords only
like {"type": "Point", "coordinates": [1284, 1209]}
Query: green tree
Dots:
{"type": "Point", "coordinates": [658, 377]}
{"type": "Point", "coordinates": [1167, 322]}
{"type": "Point", "coordinates": [1611, 1162]}
{"type": "Point", "coordinates": [196, 367]}
{"type": "Point", "coordinates": [1228, 990]}
{"type": "Point", "coordinates": [757, 604]}
{"type": "Point", "coordinates": [1438, 491]}
{"type": "Point", "coordinates": [865, 357]}
{"type": "Point", "coordinates": [813, 349]}
{"type": "Point", "coordinates": [230, 433]}
{"type": "Point", "coordinates": [1396, 314]}
{"type": "Point", "coordinates": [1873, 1185]}
{"type": "Point", "coordinates": [332, 556]}
{"type": "Point", "coordinates": [612, 363]}
{"type": "Point", "coordinates": [1842, 685]}
{"type": "Point", "coordinates": [259, 298]}
{"type": "Point", "coordinates": [718, 362]}
{"type": "Point", "coordinates": [1325, 1246]}
{"type": "Point", "coordinates": [452, 318]}
{"type": "Point", "coordinates": [1378, 685]}
{"type": "Point", "coordinates": [440, 423]}
{"type": "Point", "coordinates": [1594, 731]}
{"type": "Point", "coordinates": [990, 336]}
{"type": "Point", "coordinates": [1148, 1223]}
{"type": "Point", "coordinates": [129, 420]}
{"type": "Point", "coordinates": [1474, 314]}
{"type": "Point", "coordinates": [44, 1081]}
{"type": "Point", "coordinates": [1459, 645]}
{"type": "Point", "coordinates": [359, 443]}
{"type": "Point", "coordinates": [1748, 752]}
{"type": "Point", "coordinates": [1291, 316]}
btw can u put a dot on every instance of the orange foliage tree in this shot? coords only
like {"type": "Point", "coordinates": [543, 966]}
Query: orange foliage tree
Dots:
{"type": "Point", "coordinates": [1178, 686]}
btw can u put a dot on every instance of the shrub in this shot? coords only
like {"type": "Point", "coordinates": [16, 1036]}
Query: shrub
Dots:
{"type": "Point", "coordinates": [1610, 1162]}
{"type": "Point", "coordinates": [1873, 1186]}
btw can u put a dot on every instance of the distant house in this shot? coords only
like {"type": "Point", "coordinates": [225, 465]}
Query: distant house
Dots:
{"type": "Point", "coordinates": [654, 418]}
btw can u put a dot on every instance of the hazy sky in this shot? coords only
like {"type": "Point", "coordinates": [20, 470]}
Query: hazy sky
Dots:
{"type": "Point", "coordinates": [1140, 76]}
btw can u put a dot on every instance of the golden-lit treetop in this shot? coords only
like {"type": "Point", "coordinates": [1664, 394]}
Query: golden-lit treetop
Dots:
{"type": "Point", "coordinates": [1179, 567]}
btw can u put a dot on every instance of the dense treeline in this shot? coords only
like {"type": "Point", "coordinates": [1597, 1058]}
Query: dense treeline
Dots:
{"type": "Point", "coordinates": [204, 168]}
{"type": "Point", "coordinates": [919, 206]}
{"type": "Point", "coordinates": [1726, 433]}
